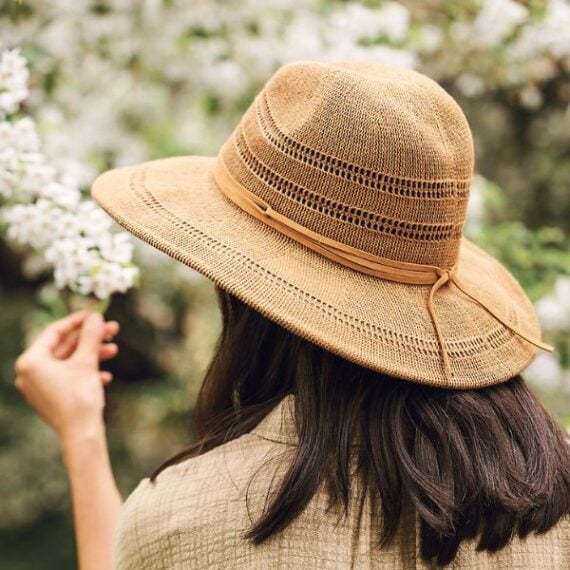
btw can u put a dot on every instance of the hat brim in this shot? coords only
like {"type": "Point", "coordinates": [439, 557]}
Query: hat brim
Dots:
{"type": "Point", "coordinates": [174, 205]}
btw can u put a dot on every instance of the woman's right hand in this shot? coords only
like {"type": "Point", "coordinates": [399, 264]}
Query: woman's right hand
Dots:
{"type": "Point", "coordinates": [59, 376]}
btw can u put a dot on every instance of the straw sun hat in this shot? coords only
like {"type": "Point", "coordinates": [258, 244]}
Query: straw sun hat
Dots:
{"type": "Point", "coordinates": [336, 209]}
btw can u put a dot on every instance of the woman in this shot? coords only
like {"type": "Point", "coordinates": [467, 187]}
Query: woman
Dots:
{"type": "Point", "coordinates": [364, 407]}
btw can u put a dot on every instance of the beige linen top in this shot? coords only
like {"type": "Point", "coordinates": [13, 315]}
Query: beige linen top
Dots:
{"type": "Point", "coordinates": [193, 516]}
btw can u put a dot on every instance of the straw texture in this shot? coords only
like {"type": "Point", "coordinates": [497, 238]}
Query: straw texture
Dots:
{"type": "Point", "coordinates": [375, 157]}
{"type": "Point", "coordinates": [194, 515]}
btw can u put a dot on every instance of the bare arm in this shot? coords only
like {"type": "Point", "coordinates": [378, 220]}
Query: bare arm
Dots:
{"type": "Point", "coordinates": [96, 501]}
{"type": "Point", "coordinates": [59, 376]}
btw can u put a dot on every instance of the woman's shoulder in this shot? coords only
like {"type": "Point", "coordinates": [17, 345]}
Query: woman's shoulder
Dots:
{"type": "Point", "coordinates": [219, 470]}
{"type": "Point", "coordinates": [272, 439]}
{"type": "Point", "coordinates": [197, 493]}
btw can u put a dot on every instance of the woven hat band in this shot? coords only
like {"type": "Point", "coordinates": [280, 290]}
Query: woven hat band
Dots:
{"type": "Point", "coordinates": [365, 262]}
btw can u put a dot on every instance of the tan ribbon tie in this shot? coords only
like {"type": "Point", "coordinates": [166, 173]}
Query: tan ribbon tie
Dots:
{"type": "Point", "coordinates": [359, 260]}
{"type": "Point", "coordinates": [451, 275]}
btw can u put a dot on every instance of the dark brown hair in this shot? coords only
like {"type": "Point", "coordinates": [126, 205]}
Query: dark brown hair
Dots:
{"type": "Point", "coordinates": [488, 463]}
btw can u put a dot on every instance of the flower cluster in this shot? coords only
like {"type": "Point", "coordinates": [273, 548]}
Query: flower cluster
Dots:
{"type": "Point", "coordinates": [112, 74]}
{"type": "Point", "coordinates": [115, 77]}
{"type": "Point", "coordinates": [13, 82]}
{"type": "Point", "coordinates": [23, 168]}
{"type": "Point", "coordinates": [509, 45]}
{"type": "Point", "coordinates": [44, 210]}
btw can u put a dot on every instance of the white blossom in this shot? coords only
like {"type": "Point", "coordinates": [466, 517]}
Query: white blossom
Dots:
{"type": "Point", "coordinates": [22, 175]}
{"type": "Point", "coordinates": [65, 197]}
{"type": "Point", "coordinates": [547, 36]}
{"type": "Point", "coordinates": [13, 81]}
{"type": "Point", "coordinates": [470, 84]}
{"type": "Point", "coordinates": [111, 277]}
{"type": "Point", "coordinates": [392, 56]}
{"type": "Point", "coordinates": [554, 310]}
{"type": "Point", "coordinates": [497, 19]}
{"type": "Point", "coordinates": [430, 39]}
{"type": "Point", "coordinates": [92, 221]}
{"type": "Point", "coordinates": [530, 97]}
{"type": "Point", "coordinates": [395, 19]}
{"type": "Point", "coordinates": [544, 371]}
{"type": "Point", "coordinates": [360, 22]}
{"type": "Point", "coordinates": [35, 225]}
{"type": "Point", "coordinates": [19, 136]}
{"type": "Point", "coordinates": [23, 168]}
{"type": "Point", "coordinates": [115, 248]}
{"type": "Point", "coordinates": [562, 290]}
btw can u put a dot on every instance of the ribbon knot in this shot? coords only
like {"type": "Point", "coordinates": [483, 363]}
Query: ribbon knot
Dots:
{"type": "Point", "coordinates": [444, 275]}
{"type": "Point", "coordinates": [359, 260]}
{"type": "Point", "coordinates": [450, 276]}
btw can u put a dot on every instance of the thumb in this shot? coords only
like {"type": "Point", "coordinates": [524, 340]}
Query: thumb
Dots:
{"type": "Point", "coordinates": [90, 339]}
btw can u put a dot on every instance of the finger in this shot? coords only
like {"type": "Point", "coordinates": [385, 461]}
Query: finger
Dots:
{"type": "Point", "coordinates": [67, 345]}
{"type": "Point", "coordinates": [111, 329]}
{"type": "Point", "coordinates": [69, 323]}
{"type": "Point", "coordinates": [108, 351]}
{"type": "Point", "coordinates": [48, 339]}
{"type": "Point", "coordinates": [45, 342]}
{"type": "Point", "coordinates": [90, 339]}
{"type": "Point", "coordinates": [106, 377]}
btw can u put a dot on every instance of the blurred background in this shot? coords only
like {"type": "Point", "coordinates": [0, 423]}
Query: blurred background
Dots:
{"type": "Point", "coordinates": [114, 82]}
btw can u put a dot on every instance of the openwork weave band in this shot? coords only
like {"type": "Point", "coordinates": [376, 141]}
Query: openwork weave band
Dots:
{"type": "Point", "coordinates": [358, 260]}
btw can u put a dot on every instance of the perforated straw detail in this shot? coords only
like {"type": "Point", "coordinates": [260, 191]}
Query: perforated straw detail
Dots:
{"type": "Point", "coordinates": [407, 187]}
{"type": "Point", "coordinates": [337, 210]}
{"type": "Point", "coordinates": [458, 348]}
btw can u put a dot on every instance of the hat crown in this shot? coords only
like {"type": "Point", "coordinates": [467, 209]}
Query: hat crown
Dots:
{"type": "Point", "coordinates": [377, 157]}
